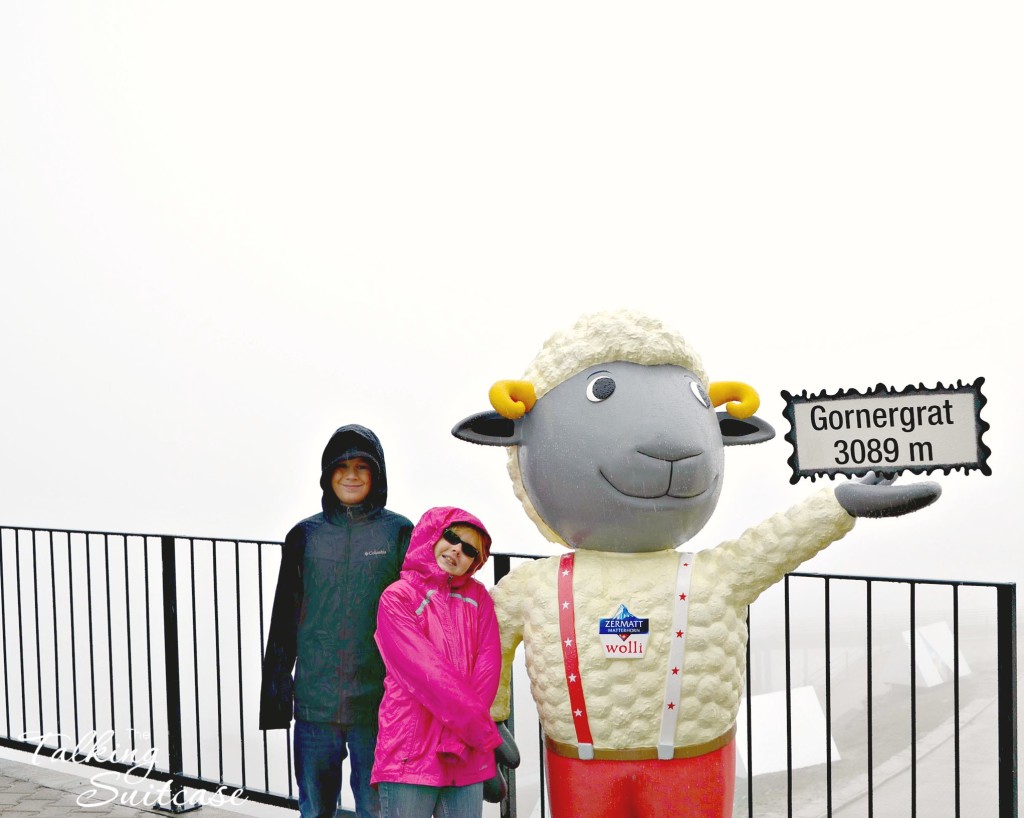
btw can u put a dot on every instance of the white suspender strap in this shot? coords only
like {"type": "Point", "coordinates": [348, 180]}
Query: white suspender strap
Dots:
{"type": "Point", "coordinates": [676, 654]}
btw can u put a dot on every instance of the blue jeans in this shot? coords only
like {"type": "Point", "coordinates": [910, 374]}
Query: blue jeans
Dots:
{"type": "Point", "coordinates": [418, 801]}
{"type": "Point", "coordinates": [320, 750]}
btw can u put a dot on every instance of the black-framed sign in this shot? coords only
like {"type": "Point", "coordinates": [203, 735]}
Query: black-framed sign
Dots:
{"type": "Point", "coordinates": [886, 431]}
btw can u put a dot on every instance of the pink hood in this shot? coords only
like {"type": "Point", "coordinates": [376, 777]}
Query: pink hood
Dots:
{"type": "Point", "coordinates": [438, 636]}
{"type": "Point", "coordinates": [419, 558]}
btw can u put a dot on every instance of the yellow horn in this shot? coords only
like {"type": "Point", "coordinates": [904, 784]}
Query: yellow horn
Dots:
{"type": "Point", "coordinates": [512, 399]}
{"type": "Point", "coordinates": [742, 399]}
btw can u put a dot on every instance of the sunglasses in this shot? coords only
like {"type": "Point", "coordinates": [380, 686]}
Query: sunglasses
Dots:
{"type": "Point", "coordinates": [470, 551]}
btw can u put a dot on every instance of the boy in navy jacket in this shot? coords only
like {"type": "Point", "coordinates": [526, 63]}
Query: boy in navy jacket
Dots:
{"type": "Point", "coordinates": [334, 567]}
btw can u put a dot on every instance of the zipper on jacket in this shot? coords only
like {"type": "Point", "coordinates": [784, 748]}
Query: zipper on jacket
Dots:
{"type": "Point", "coordinates": [343, 636]}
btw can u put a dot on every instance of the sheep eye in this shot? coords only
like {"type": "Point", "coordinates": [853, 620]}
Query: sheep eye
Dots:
{"type": "Point", "coordinates": [600, 388]}
{"type": "Point", "coordinates": [698, 392]}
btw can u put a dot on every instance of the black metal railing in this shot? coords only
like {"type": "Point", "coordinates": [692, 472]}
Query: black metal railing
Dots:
{"type": "Point", "coordinates": [993, 682]}
{"type": "Point", "coordinates": [140, 655]}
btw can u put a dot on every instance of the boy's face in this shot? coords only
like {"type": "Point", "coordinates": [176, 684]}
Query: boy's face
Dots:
{"type": "Point", "coordinates": [352, 480]}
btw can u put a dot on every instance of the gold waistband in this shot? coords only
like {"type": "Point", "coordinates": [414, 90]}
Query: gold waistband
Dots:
{"type": "Point", "coordinates": [642, 753]}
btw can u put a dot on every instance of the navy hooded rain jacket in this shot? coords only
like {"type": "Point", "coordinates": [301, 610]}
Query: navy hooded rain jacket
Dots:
{"type": "Point", "coordinates": [334, 567]}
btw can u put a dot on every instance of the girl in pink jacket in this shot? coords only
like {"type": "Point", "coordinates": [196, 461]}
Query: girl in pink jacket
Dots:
{"type": "Point", "coordinates": [438, 635]}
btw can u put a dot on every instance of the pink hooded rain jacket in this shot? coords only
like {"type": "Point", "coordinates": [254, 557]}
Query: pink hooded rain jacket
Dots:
{"type": "Point", "coordinates": [439, 638]}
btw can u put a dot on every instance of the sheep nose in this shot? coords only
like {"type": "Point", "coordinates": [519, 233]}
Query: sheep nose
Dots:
{"type": "Point", "coordinates": [670, 452]}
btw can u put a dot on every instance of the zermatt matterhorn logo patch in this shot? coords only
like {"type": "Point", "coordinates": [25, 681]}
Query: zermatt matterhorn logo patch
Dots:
{"type": "Point", "coordinates": [624, 636]}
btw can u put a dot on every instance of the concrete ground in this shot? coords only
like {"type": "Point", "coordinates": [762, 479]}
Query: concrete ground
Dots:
{"type": "Point", "coordinates": [41, 791]}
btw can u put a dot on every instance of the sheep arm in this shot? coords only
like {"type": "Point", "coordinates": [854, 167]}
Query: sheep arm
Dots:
{"type": "Point", "coordinates": [509, 596]}
{"type": "Point", "coordinates": [762, 555]}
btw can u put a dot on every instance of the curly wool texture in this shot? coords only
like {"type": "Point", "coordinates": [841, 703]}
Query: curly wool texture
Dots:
{"type": "Point", "coordinates": [604, 337]}
{"type": "Point", "coordinates": [599, 338]}
{"type": "Point", "coordinates": [624, 698]}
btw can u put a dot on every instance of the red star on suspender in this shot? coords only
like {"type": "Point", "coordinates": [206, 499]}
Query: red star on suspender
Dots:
{"type": "Point", "coordinates": [675, 671]}
{"type": "Point", "coordinates": [679, 634]}
{"type": "Point", "coordinates": [671, 706]}
{"type": "Point", "coordinates": [682, 597]}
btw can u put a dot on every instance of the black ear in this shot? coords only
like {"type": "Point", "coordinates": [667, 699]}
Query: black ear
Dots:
{"type": "Point", "coordinates": [736, 432]}
{"type": "Point", "coordinates": [489, 429]}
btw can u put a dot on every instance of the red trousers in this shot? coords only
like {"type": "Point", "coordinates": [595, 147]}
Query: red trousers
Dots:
{"type": "Point", "coordinates": [699, 787]}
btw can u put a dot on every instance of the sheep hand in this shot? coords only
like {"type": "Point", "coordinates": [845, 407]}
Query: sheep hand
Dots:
{"type": "Point", "coordinates": [876, 496]}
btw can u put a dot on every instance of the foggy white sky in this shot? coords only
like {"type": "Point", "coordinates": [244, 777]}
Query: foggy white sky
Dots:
{"type": "Point", "coordinates": [227, 228]}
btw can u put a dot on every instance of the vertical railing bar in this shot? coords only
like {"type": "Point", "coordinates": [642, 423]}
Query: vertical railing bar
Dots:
{"type": "Point", "coordinates": [1006, 636]}
{"type": "Point", "coordinates": [512, 802]}
{"type": "Point", "coordinates": [288, 755]}
{"type": "Point", "coordinates": [56, 645]}
{"type": "Point", "coordinates": [92, 643]}
{"type": "Point", "coordinates": [195, 656]}
{"type": "Point", "coordinates": [149, 640]}
{"type": "Point", "coordinates": [543, 772]}
{"type": "Point", "coordinates": [499, 568]}
{"type": "Point", "coordinates": [956, 700]}
{"type": "Point", "coordinates": [789, 707]}
{"type": "Point", "coordinates": [216, 653]}
{"type": "Point", "coordinates": [74, 639]}
{"type": "Point", "coordinates": [128, 626]}
{"type": "Point", "coordinates": [110, 632]}
{"type": "Point", "coordinates": [175, 754]}
{"type": "Point", "coordinates": [39, 641]}
{"type": "Point", "coordinates": [259, 591]}
{"type": "Point", "coordinates": [21, 639]}
{"type": "Point", "coordinates": [241, 696]}
{"type": "Point", "coordinates": [3, 627]}
{"type": "Point", "coordinates": [913, 700]}
{"type": "Point", "coordinates": [289, 746]}
{"type": "Point", "coordinates": [828, 698]}
{"type": "Point", "coordinates": [750, 728]}
{"type": "Point", "coordinates": [871, 703]}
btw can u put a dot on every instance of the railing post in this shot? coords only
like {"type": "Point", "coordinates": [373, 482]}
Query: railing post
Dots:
{"type": "Point", "coordinates": [1006, 636]}
{"type": "Point", "coordinates": [175, 761]}
{"type": "Point", "coordinates": [509, 806]}
{"type": "Point", "coordinates": [502, 565]}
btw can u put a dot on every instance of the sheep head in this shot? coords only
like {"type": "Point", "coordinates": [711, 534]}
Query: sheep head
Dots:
{"type": "Point", "coordinates": [614, 441]}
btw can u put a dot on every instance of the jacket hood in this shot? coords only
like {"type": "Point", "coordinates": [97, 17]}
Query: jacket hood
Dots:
{"type": "Point", "coordinates": [420, 560]}
{"type": "Point", "coordinates": [348, 441]}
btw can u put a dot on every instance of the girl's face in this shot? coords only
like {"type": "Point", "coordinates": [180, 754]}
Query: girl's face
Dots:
{"type": "Point", "coordinates": [450, 555]}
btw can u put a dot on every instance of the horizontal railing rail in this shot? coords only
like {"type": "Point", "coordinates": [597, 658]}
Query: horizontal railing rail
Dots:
{"type": "Point", "coordinates": [140, 655]}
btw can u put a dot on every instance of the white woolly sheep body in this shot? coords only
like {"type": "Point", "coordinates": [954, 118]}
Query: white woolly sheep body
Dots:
{"type": "Point", "coordinates": [624, 698]}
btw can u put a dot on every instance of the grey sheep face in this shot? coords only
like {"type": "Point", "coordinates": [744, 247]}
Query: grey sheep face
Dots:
{"type": "Point", "coordinates": [623, 457]}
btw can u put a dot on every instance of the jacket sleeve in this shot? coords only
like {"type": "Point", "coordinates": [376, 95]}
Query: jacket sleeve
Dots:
{"type": "Point", "coordinates": [422, 670]}
{"type": "Point", "coordinates": [277, 690]}
{"type": "Point", "coordinates": [487, 667]}
{"type": "Point", "coordinates": [404, 537]}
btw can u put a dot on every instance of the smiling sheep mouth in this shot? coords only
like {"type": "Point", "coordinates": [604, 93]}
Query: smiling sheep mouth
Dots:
{"type": "Point", "coordinates": [666, 493]}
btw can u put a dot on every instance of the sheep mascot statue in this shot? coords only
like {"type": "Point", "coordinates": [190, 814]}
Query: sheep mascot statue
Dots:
{"type": "Point", "coordinates": [636, 650]}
